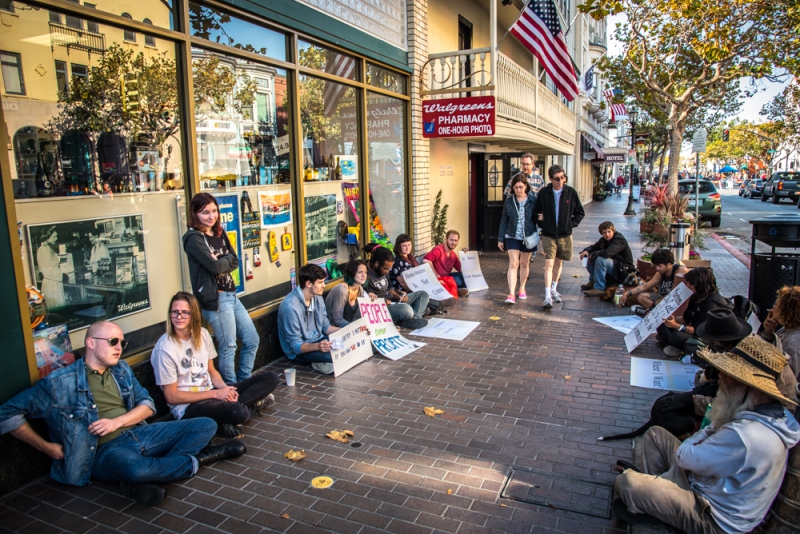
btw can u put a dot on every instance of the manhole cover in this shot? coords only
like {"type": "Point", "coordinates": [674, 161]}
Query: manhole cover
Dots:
{"type": "Point", "coordinates": [556, 491]}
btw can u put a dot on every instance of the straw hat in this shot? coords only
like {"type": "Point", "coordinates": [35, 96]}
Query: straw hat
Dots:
{"type": "Point", "coordinates": [753, 362]}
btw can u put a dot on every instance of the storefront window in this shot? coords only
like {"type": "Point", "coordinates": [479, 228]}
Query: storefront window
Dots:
{"type": "Point", "coordinates": [327, 60]}
{"type": "Point", "coordinates": [386, 79]}
{"type": "Point", "coordinates": [217, 26]}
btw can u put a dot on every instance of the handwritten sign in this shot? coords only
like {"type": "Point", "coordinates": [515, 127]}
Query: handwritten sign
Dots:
{"type": "Point", "coordinates": [662, 374]}
{"type": "Point", "coordinates": [471, 269]}
{"type": "Point", "coordinates": [447, 329]}
{"type": "Point", "coordinates": [655, 318]}
{"type": "Point", "coordinates": [383, 334]}
{"type": "Point", "coordinates": [350, 346]}
{"type": "Point", "coordinates": [621, 323]}
{"type": "Point", "coordinates": [422, 278]}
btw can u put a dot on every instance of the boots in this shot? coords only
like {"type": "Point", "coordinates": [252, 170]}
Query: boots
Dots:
{"type": "Point", "coordinates": [226, 450]}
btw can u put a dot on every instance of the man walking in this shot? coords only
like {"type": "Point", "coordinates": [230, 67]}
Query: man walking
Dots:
{"type": "Point", "coordinates": [558, 210]}
{"type": "Point", "coordinates": [530, 171]}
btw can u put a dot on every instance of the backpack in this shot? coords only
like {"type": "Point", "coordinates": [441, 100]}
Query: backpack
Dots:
{"type": "Point", "coordinates": [743, 307]}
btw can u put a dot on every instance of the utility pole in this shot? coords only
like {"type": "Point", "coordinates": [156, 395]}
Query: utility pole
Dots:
{"type": "Point", "coordinates": [630, 210]}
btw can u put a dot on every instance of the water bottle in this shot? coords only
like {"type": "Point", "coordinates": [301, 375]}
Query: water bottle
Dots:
{"type": "Point", "coordinates": [618, 295]}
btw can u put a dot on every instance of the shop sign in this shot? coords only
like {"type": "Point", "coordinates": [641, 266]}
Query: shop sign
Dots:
{"type": "Point", "coordinates": [458, 117]}
{"type": "Point", "coordinates": [282, 145]}
{"type": "Point", "coordinates": [615, 158]}
{"type": "Point", "coordinates": [384, 123]}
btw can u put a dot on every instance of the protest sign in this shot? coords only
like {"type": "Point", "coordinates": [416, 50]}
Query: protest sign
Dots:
{"type": "Point", "coordinates": [662, 374]}
{"type": "Point", "coordinates": [621, 323]}
{"type": "Point", "coordinates": [471, 269]}
{"type": "Point", "coordinates": [422, 278]}
{"type": "Point", "coordinates": [447, 329]}
{"type": "Point", "coordinates": [652, 320]}
{"type": "Point", "coordinates": [350, 346]}
{"type": "Point", "coordinates": [383, 334]}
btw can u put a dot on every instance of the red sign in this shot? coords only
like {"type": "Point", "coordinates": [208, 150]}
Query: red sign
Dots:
{"type": "Point", "coordinates": [458, 117]}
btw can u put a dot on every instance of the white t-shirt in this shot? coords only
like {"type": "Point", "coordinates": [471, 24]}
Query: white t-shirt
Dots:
{"type": "Point", "coordinates": [177, 361]}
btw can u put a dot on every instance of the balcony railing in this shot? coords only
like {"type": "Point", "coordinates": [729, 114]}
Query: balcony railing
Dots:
{"type": "Point", "coordinates": [520, 96]}
{"type": "Point", "coordinates": [79, 39]}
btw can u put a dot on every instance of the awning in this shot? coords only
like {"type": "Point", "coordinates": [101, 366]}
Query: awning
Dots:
{"type": "Point", "coordinates": [594, 145]}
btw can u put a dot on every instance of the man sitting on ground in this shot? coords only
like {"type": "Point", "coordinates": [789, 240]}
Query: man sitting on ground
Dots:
{"type": "Point", "coordinates": [303, 325]}
{"type": "Point", "coordinates": [725, 477]}
{"type": "Point", "coordinates": [664, 262]}
{"type": "Point", "coordinates": [609, 260]}
{"type": "Point", "coordinates": [94, 409]}
{"type": "Point", "coordinates": [445, 261]}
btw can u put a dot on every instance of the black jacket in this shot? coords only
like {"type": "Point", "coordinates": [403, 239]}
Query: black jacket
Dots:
{"type": "Point", "coordinates": [203, 268]}
{"type": "Point", "coordinates": [696, 312]}
{"type": "Point", "coordinates": [509, 220]}
{"type": "Point", "coordinates": [617, 249]}
{"type": "Point", "coordinates": [570, 211]}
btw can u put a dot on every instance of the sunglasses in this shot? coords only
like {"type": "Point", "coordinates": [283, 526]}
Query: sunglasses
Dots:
{"type": "Point", "coordinates": [559, 178]}
{"type": "Point", "coordinates": [180, 313]}
{"type": "Point", "coordinates": [113, 341]}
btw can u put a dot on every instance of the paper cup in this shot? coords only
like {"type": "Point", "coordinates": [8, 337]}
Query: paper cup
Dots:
{"type": "Point", "coordinates": [585, 261]}
{"type": "Point", "coordinates": [290, 376]}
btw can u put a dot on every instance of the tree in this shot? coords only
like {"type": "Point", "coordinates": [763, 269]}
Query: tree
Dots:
{"type": "Point", "coordinates": [686, 56]}
{"type": "Point", "coordinates": [747, 141]}
{"type": "Point", "coordinates": [784, 114]}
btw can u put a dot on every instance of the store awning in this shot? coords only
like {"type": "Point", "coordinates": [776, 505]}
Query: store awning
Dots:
{"type": "Point", "coordinates": [594, 145]}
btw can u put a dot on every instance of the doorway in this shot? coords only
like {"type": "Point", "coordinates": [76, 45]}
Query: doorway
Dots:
{"type": "Point", "coordinates": [493, 172]}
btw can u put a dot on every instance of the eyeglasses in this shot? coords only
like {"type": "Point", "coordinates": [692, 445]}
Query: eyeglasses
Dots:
{"type": "Point", "coordinates": [113, 341]}
{"type": "Point", "coordinates": [559, 178]}
{"type": "Point", "coordinates": [180, 313]}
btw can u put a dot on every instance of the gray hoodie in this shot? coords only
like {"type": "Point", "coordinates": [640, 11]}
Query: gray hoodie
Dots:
{"type": "Point", "coordinates": [739, 468]}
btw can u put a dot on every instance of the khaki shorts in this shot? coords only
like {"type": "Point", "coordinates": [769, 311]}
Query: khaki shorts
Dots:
{"type": "Point", "coordinates": [556, 247]}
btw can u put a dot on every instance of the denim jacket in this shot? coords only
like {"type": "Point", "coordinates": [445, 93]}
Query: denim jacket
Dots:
{"type": "Point", "coordinates": [64, 399]}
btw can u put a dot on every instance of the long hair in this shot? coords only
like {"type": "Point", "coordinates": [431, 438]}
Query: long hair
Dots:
{"type": "Point", "coordinates": [196, 320]}
{"type": "Point", "coordinates": [704, 282]}
{"type": "Point", "coordinates": [200, 201]}
{"type": "Point", "coordinates": [377, 254]}
{"type": "Point", "coordinates": [351, 270]}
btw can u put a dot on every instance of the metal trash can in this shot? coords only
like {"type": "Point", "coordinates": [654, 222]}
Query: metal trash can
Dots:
{"type": "Point", "coordinates": [679, 240]}
{"type": "Point", "coordinates": [770, 271]}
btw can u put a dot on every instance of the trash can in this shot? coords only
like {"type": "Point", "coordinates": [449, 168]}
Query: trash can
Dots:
{"type": "Point", "coordinates": [679, 240]}
{"type": "Point", "coordinates": [770, 271]}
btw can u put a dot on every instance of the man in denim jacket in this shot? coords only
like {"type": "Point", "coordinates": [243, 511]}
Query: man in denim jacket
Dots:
{"type": "Point", "coordinates": [95, 411]}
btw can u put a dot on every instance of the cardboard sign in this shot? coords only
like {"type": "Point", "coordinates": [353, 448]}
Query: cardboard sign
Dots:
{"type": "Point", "coordinates": [383, 334]}
{"type": "Point", "coordinates": [655, 318]}
{"type": "Point", "coordinates": [621, 323]}
{"type": "Point", "coordinates": [447, 329]}
{"type": "Point", "coordinates": [471, 269]}
{"type": "Point", "coordinates": [458, 117]}
{"type": "Point", "coordinates": [422, 278]}
{"type": "Point", "coordinates": [350, 346]}
{"type": "Point", "coordinates": [662, 374]}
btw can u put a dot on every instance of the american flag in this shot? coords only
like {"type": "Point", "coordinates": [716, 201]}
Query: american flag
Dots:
{"type": "Point", "coordinates": [342, 66]}
{"type": "Point", "coordinates": [618, 111]}
{"type": "Point", "coordinates": [539, 30]}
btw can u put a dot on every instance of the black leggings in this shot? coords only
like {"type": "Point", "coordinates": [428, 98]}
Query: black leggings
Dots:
{"type": "Point", "coordinates": [675, 338]}
{"type": "Point", "coordinates": [252, 390]}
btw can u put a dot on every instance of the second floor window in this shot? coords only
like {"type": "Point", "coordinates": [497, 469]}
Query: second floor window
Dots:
{"type": "Point", "coordinates": [149, 40]}
{"type": "Point", "coordinates": [80, 71]}
{"type": "Point", "coordinates": [62, 82]}
{"type": "Point", "coordinates": [92, 26]}
{"type": "Point", "coordinates": [128, 35]}
{"type": "Point", "coordinates": [11, 65]}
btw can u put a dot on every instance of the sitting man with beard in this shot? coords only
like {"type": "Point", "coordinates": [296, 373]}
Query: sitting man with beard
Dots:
{"type": "Point", "coordinates": [724, 478]}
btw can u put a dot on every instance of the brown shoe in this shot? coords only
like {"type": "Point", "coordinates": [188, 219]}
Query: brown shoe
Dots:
{"type": "Point", "coordinates": [463, 292]}
{"type": "Point", "coordinates": [587, 285]}
{"type": "Point", "coordinates": [594, 293]}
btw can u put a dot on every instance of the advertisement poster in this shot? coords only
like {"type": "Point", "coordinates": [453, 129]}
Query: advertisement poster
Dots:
{"type": "Point", "coordinates": [229, 219]}
{"type": "Point", "coordinates": [320, 226]}
{"type": "Point", "coordinates": [251, 230]}
{"type": "Point", "coordinates": [383, 334]}
{"type": "Point", "coordinates": [275, 207]}
{"type": "Point", "coordinates": [471, 269]}
{"type": "Point", "coordinates": [458, 117]}
{"type": "Point", "coordinates": [662, 374]}
{"type": "Point", "coordinates": [53, 349]}
{"type": "Point", "coordinates": [422, 278]}
{"type": "Point", "coordinates": [652, 320]}
{"type": "Point", "coordinates": [350, 346]}
{"type": "Point", "coordinates": [90, 269]}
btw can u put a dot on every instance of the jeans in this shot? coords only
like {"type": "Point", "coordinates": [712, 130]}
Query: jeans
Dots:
{"type": "Point", "coordinates": [161, 452]}
{"type": "Point", "coordinates": [411, 309]}
{"type": "Point", "coordinates": [459, 279]}
{"type": "Point", "coordinates": [252, 390]}
{"type": "Point", "coordinates": [230, 322]}
{"type": "Point", "coordinates": [315, 356]}
{"type": "Point", "coordinates": [598, 269]}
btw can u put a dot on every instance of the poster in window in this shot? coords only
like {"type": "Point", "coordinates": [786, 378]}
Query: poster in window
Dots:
{"type": "Point", "coordinates": [275, 207]}
{"type": "Point", "coordinates": [90, 269]}
{"type": "Point", "coordinates": [320, 226]}
{"type": "Point", "coordinates": [53, 349]}
{"type": "Point", "coordinates": [230, 221]}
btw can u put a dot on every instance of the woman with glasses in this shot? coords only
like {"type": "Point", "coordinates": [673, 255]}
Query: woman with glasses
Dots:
{"type": "Point", "coordinates": [517, 223]}
{"type": "Point", "coordinates": [212, 259]}
{"type": "Point", "coordinates": [341, 304]}
{"type": "Point", "coordinates": [183, 362]}
{"type": "Point", "coordinates": [406, 309]}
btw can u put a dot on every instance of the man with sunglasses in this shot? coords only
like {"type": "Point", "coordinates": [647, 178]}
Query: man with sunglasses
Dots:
{"type": "Point", "coordinates": [95, 410]}
{"type": "Point", "coordinates": [558, 209]}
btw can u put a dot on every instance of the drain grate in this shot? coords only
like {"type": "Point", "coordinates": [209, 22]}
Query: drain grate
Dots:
{"type": "Point", "coordinates": [557, 491]}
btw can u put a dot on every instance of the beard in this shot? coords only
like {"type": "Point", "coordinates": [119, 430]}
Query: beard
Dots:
{"type": "Point", "coordinates": [731, 399]}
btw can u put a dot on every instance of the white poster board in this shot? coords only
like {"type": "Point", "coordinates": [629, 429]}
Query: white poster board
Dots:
{"type": "Point", "coordinates": [422, 278]}
{"type": "Point", "coordinates": [383, 334]}
{"type": "Point", "coordinates": [471, 269]}
{"type": "Point", "coordinates": [662, 374]}
{"type": "Point", "coordinates": [350, 346]}
{"type": "Point", "coordinates": [637, 191]}
{"type": "Point", "coordinates": [655, 318]}
{"type": "Point", "coordinates": [447, 329]}
{"type": "Point", "coordinates": [621, 323]}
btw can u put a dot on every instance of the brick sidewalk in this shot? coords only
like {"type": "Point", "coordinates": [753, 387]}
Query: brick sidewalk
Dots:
{"type": "Point", "coordinates": [532, 390]}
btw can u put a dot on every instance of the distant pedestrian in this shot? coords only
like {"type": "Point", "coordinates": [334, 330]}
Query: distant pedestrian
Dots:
{"type": "Point", "coordinates": [516, 224]}
{"type": "Point", "coordinates": [530, 171]}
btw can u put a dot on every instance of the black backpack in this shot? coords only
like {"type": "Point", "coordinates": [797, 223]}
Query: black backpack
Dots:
{"type": "Point", "coordinates": [743, 307]}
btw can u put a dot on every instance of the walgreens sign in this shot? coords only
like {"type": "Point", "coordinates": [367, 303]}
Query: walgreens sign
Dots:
{"type": "Point", "coordinates": [458, 117]}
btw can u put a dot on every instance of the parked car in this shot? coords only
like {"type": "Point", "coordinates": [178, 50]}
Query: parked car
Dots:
{"type": "Point", "coordinates": [743, 186]}
{"type": "Point", "coordinates": [753, 189]}
{"type": "Point", "coordinates": [710, 201]}
{"type": "Point", "coordinates": [783, 184]}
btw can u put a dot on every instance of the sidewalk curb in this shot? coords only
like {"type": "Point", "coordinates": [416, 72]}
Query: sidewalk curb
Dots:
{"type": "Point", "coordinates": [736, 253]}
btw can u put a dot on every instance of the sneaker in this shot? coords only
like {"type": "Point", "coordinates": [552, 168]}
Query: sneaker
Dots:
{"type": "Point", "coordinates": [228, 430]}
{"type": "Point", "coordinates": [326, 368]}
{"type": "Point", "coordinates": [413, 324]}
{"type": "Point", "coordinates": [522, 295]}
{"type": "Point", "coordinates": [510, 299]}
{"type": "Point", "coordinates": [672, 352]}
{"type": "Point", "coordinates": [556, 295]}
{"type": "Point", "coordinates": [587, 285]}
{"type": "Point", "coordinates": [146, 494]}
{"type": "Point", "coordinates": [265, 403]}
{"type": "Point", "coordinates": [548, 303]}
{"type": "Point", "coordinates": [636, 309]}
{"type": "Point", "coordinates": [463, 292]}
{"type": "Point", "coordinates": [594, 293]}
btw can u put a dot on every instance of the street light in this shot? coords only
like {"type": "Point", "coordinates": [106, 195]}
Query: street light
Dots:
{"type": "Point", "coordinates": [632, 115]}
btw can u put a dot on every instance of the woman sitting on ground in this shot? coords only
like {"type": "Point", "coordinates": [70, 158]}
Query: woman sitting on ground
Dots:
{"type": "Point", "coordinates": [341, 303]}
{"type": "Point", "coordinates": [404, 260]}
{"type": "Point", "coordinates": [406, 309]}
{"type": "Point", "coordinates": [680, 334]}
{"type": "Point", "coordinates": [786, 313]}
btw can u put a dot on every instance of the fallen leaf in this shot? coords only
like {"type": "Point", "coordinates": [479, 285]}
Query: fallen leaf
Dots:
{"type": "Point", "coordinates": [449, 492]}
{"type": "Point", "coordinates": [321, 482]}
{"type": "Point", "coordinates": [340, 435]}
{"type": "Point", "coordinates": [285, 516]}
{"type": "Point", "coordinates": [313, 387]}
{"type": "Point", "coordinates": [568, 377]}
{"type": "Point", "coordinates": [576, 276]}
{"type": "Point", "coordinates": [295, 456]}
{"type": "Point", "coordinates": [582, 368]}
{"type": "Point", "coordinates": [503, 505]}
{"type": "Point", "coordinates": [430, 411]}
{"type": "Point", "coordinates": [494, 318]}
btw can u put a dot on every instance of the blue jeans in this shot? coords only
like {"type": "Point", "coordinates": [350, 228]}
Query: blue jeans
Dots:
{"type": "Point", "coordinates": [411, 309]}
{"type": "Point", "coordinates": [315, 356]}
{"type": "Point", "coordinates": [229, 323]}
{"type": "Point", "coordinates": [459, 279]}
{"type": "Point", "coordinates": [598, 269]}
{"type": "Point", "coordinates": [161, 452]}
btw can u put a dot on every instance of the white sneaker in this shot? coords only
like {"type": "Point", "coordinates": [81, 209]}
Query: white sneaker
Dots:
{"type": "Point", "coordinates": [326, 368]}
{"type": "Point", "coordinates": [556, 295]}
{"type": "Point", "coordinates": [548, 303]}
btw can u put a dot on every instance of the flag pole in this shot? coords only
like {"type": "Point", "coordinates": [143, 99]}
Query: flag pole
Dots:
{"type": "Point", "coordinates": [571, 24]}
{"type": "Point", "coordinates": [509, 28]}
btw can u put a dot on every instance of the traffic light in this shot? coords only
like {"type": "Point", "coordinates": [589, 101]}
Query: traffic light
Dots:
{"type": "Point", "coordinates": [726, 135]}
{"type": "Point", "coordinates": [130, 93]}
{"type": "Point", "coordinates": [647, 158]}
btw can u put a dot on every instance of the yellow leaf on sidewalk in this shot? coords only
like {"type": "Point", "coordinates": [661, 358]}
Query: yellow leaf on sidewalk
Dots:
{"type": "Point", "coordinates": [295, 456]}
{"type": "Point", "coordinates": [340, 435]}
{"type": "Point", "coordinates": [430, 411]}
{"type": "Point", "coordinates": [568, 377]}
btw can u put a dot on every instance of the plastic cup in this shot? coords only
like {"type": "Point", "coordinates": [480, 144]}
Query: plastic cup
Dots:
{"type": "Point", "coordinates": [290, 376]}
{"type": "Point", "coordinates": [585, 261]}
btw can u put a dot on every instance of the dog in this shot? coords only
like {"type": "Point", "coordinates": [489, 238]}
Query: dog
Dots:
{"type": "Point", "coordinates": [630, 281]}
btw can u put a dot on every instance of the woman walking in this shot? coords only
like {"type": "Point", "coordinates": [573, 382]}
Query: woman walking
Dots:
{"type": "Point", "coordinates": [516, 224]}
{"type": "Point", "coordinates": [212, 259]}
{"type": "Point", "coordinates": [341, 303]}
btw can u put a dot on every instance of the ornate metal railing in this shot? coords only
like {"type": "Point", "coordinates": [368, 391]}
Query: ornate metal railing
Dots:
{"type": "Point", "coordinates": [79, 39]}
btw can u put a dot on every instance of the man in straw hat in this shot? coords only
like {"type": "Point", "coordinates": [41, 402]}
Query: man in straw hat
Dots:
{"type": "Point", "coordinates": [724, 478]}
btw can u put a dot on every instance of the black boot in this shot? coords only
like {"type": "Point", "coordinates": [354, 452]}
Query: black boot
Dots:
{"type": "Point", "coordinates": [224, 451]}
{"type": "Point", "coordinates": [146, 494]}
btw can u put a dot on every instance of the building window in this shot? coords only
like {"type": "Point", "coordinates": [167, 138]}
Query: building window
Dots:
{"type": "Point", "coordinates": [55, 17]}
{"type": "Point", "coordinates": [12, 73]}
{"type": "Point", "coordinates": [92, 26]}
{"type": "Point", "coordinates": [149, 40]}
{"type": "Point", "coordinates": [72, 21]}
{"type": "Point", "coordinates": [62, 81]}
{"type": "Point", "coordinates": [80, 71]}
{"type": "Point", "coordinates": [6, 5]}
{"type": "Point", "coordinates": [128, 35]}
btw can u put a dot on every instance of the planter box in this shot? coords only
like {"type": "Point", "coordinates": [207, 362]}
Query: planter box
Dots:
{"type": "Point", "coordinates": [652, 228]}
{"type": "Point", "coordinates": [646, 269]}
{"type": "Point", "coordinates": [697, 263]}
